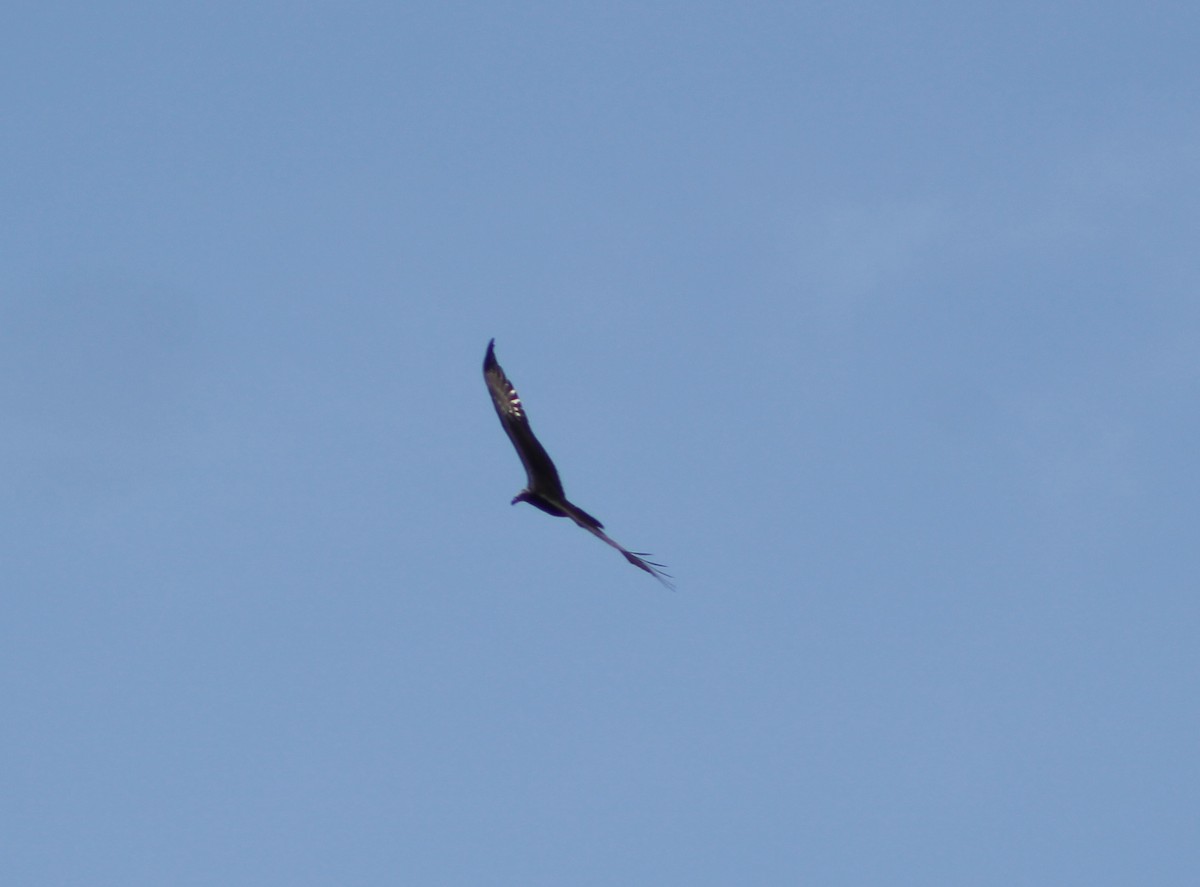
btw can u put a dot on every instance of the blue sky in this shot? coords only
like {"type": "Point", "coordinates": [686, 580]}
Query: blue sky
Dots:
{"type": "Point", "coordinates": [876, 323]}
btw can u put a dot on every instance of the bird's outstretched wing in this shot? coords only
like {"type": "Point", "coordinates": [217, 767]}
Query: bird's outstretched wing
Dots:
{"type": "Point", "coordinates": [543, 477]}
{"type": "Point", "coordinates": [637, 558]}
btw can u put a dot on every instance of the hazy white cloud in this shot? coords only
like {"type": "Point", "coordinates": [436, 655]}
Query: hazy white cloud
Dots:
{"type": "Point", "coordinates": [850, 254]}
{"type": "Point", "coordinates": [853, 253]}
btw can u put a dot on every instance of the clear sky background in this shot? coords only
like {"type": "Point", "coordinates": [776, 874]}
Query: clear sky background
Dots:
{"type": "Point", "coordinates": [876, 322]}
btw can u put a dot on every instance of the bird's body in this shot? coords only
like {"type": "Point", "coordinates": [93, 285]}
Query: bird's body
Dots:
{"type": "Point", "coordinates": [543, 489]}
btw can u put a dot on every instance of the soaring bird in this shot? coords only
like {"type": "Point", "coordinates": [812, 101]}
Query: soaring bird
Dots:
{"type": "Point", "coordinates": [544, 490]}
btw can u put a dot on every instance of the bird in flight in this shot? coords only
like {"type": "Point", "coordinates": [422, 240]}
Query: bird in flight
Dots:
{"type": "Point", "coordinates": [544, 490]}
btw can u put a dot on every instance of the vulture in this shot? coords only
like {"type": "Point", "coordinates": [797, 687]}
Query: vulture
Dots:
{"type": "Point", "coordinates": [544, 490]}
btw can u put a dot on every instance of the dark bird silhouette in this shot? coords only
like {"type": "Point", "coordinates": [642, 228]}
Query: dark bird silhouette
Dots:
{"type": "Point", "coordinates": [544, 490]}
